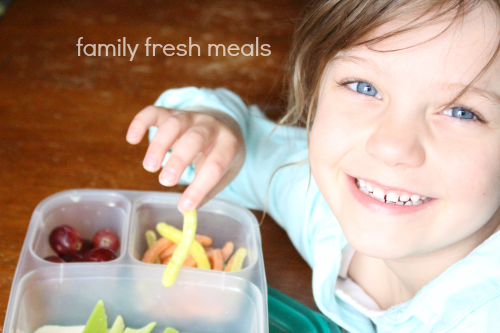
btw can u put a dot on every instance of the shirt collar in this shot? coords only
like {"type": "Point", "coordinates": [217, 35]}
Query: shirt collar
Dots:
{"type": "Point", "coordinates": [462, 288]}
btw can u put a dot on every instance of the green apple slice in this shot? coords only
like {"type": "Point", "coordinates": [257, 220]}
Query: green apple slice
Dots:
{"type": "Point", "coordinates": [146, 329]}
{"type": "Point", "coordinates": [118, 325]}
{"type": "Point", "coordinates": [170, 330]}
{"type": "Point", "coordinates": [97, 322]}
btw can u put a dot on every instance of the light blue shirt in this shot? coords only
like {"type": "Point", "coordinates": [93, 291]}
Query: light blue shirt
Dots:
{"type": "Point", "coordinates": [465, 298]}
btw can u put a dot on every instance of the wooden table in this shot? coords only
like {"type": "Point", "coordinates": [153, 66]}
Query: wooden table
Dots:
{"type": "Point", "coordinates": [63, 118]}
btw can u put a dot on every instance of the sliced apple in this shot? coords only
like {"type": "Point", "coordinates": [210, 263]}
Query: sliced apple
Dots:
{"type": "Point", "coordinates": [170, 330]}
{"type": "Point", "coordinates": [97, 322]}
{"type": "Point", "coordinates": [146, 329]}
{"type": "Point", "coordinates": [118, 325]}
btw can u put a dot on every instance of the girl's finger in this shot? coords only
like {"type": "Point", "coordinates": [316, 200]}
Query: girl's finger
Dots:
{"type": "Point", "coordinates": [149, 116]}
{"type": "Point", "coordinates": [164, 138]}
{"type": "Point", "coordinates": [213, 169]}
{"type": "Point", "coordinates": [230, 174]}
{"type": "Point", "coordinates": [187, 148]}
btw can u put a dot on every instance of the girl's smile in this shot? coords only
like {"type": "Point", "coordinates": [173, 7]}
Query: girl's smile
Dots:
{"type": "Point", "coordinates": [386, 200]}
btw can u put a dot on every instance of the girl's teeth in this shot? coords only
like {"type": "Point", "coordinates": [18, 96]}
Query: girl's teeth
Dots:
{"type": "Point", "coordinates": [404, 197]}
{"type": "Point", "coordinates": [415, 198]}
{"type": "Point", "coordinates": [391, 197]}
{"type": "Point", "coordinates": [378, 193]}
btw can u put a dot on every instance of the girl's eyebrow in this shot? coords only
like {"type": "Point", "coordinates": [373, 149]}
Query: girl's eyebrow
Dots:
{"type": "Point", "coordinates": [365, 62]}
{"type": "Point", "coordinates": [344, 56]}
{"type": "Point", "coordinates": [492, 96]}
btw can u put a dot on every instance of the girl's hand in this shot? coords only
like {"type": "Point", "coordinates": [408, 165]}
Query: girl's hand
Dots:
{"type": "Point", "coordinates": [211, 140]}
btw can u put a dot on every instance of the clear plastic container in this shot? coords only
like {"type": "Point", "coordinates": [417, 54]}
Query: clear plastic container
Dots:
{"type": "Point", "coordinates": [45, 293]}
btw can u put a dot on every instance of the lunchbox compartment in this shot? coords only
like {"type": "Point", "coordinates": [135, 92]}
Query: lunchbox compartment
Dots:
{"type": "Point", "coordinates": [199, 303]}
{"type": "Point", "coordinates": [87, 212]}
{"type": "Point", "coordinates": [214, 220]}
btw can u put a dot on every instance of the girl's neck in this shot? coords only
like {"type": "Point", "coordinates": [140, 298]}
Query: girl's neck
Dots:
{"type": "Point", "coordinates": [394, 281]}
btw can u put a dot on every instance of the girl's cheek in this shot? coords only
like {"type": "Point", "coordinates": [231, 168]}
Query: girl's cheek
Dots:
{"type": "Point", "coordinates": [336, 122]}
{"type": "Point", "coordinates": [468, 160]}
{"type": "Point", "coordinates": [337, 131]}
{"type": "Point", "coordinates": [326, 141]}
{"type": "Point", "coordinates": [470, 178]}
{"type": "Point", "coordinates": [333, 136]}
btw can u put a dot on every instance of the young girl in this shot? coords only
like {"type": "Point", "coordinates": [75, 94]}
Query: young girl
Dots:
{"type": "Point", "coordinates": [401, 104]}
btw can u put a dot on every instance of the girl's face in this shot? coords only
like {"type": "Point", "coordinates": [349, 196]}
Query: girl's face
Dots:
{"type": "Point", "coordinates": [381, 119]}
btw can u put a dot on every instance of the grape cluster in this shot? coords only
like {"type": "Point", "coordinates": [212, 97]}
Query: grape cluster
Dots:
{"type": "Point", "coordinates": [71, 247]}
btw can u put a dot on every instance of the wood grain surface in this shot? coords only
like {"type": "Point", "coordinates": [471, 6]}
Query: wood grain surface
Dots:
{"type": "Point", "coordinates": [63, 118]}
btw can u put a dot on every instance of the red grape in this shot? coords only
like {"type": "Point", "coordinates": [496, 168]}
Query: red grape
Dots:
{"type": "Point", "coordinates": [65, 240]}
{"type": "Point", "coordinates": [99, 254]}
{"type": "Point", "coordinates": [54, 259]}
{"type": "Point", "coordinates": [86, 246]}
{"type": "Point", "coordinates": [106, 239]}
{"type": "Point", "coordinates": [72, 258]}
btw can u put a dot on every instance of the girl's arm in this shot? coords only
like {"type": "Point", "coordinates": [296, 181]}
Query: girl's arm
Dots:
{"type": "Point", "coordinates": [264, 182]}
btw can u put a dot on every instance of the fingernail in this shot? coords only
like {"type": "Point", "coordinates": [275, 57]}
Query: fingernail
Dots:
{"type": "Point", "coordinates": [186, 205]}
{"type": "Point", "coordinates": [150, 163]}
{"type": "Point", "coordinates": [168, 177]}
{"type": "Point", "coordinates": [132, 135]}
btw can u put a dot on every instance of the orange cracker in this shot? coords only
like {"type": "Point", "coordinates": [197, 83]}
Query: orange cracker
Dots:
{"type": "Point", "coordinates": [209, 251]}
{"type": "Point", "coordinates": [168, 252]}
{"type": "Point", "coordinates": [227, 250]}
{"type": "Point", "coordinates": [158, 247]}
{"type": "Point", "coordinates": [203, 240]}
{"type": "Point", "coordinates": [217, 260]}
{"type": "Point", "coordinates": [189, 262]}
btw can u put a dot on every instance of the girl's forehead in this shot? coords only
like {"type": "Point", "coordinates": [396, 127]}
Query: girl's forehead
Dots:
{"type": "Point", "coordinates": [481, 22]}
{"type": "Point", "coordinates": [453, 51]}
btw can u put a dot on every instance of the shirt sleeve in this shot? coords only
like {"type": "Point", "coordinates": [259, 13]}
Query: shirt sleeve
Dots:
{"type": "Point", "coordinates": [276, 174]}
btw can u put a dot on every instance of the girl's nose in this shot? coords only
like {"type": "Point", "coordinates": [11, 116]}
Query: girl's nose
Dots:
{"type": "Point", "coordinates": [395, 142]}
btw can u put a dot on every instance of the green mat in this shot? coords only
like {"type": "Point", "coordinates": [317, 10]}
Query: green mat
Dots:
{"type": "Point", "coordinates": [286, 315]}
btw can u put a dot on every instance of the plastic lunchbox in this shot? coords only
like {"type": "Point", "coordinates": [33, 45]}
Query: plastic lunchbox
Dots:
{"type": "Point", "coordinates": [46, 293]}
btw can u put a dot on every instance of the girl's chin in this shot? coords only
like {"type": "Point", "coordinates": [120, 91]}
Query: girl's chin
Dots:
{"type": "Point", "coordinates": [379, 244]}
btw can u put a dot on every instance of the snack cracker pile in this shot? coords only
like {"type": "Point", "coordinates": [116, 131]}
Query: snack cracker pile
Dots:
{"type": "Point", "coordinates": [178, 248]}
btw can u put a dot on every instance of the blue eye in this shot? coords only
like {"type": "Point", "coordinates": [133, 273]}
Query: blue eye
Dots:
{"type": "Point", "coordinates": [460, 113]}
{"type": "Point", "coordinates": [364, 88]}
